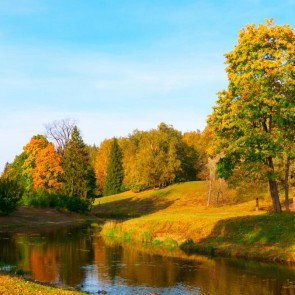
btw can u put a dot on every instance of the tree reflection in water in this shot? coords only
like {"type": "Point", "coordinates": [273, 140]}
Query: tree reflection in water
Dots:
{"type": "Point", "coordinates": [80, 257]}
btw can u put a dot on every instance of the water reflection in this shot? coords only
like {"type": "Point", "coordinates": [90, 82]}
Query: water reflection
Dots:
{"type": "Point", "coordinates": [79, 257]}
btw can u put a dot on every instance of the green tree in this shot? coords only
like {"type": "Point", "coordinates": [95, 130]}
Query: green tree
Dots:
{"type": "Point", "coordinates": [78, 176]}
{"type": "Point", "coordinates": [254, 119]}
{"type": "Point", "coordinates": [114, 177]}
{"type": "Point", "coordinates": [14, 171]}
{"type": "Point", "coordinates": [10, 193]}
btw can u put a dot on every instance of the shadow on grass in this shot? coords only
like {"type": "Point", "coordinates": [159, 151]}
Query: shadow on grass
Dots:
{"type": "Point", "coordinates": [130, 207]}
{"type": "Point", "coordinates": [263, 233]}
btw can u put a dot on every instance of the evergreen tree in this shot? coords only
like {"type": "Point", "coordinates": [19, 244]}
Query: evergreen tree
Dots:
{"type": "Point", "coordinates": [79, 178]}
{"type": "Point", "coordinates": [114, 177]}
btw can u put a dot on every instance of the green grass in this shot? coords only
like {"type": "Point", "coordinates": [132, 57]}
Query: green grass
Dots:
{"type": "Point", "coordinates": [178, 213]}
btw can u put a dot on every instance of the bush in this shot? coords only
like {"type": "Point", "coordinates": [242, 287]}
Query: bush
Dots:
{"type": "Point", "coordinates": [77, 204]}
{"type": "Point", "coordinates": [10, 193]}
{"type": "Point", "coordinates": [42, 198]}
{"type": "Point", "coordinates": [137, 188]}
{"type": "Point", "coordinates": [189, 247]}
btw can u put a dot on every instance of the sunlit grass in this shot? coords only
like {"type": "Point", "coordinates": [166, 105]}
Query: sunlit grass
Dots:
{"type": "Point", "coordinates": [13, 285]}
{"type": "Point", "coordinates": [179, 213]}
{"type": "Point", "coordinates": [185, 215]}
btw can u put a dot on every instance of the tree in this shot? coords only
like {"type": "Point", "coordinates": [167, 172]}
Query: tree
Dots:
{"type": "Point", "coordinates": [254, 119]}
{"type": "Point", "coordinates": [101, 162]}
{"type": "Point", "coordinates": [42, 166]}
{"type": "Point", "coordinates": [10, 193]}
{"type": "Point", "coordinates": [114, 177]}
{"type": "Point", "coordinates": [158, 157]}
{"type": "Point", "coordinates": [14, 170]}
{"type": "Point", "coordinates": [78, 176]}
{"type": "Point", "coordinates": [60, 132]}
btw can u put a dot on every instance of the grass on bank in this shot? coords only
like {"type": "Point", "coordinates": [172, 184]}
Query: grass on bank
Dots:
{"type": "Point", "coordinates": [178, 214]}
{"type": "Point", "coordinates": [14, 285]}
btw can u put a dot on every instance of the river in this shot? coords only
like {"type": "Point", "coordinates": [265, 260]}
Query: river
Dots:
{"type": "Point", "coordinates": [79, 257]}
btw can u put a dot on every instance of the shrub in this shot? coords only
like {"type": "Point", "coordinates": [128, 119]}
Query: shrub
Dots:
{"type": "Point", "coordinates": [76, 204]}
{"type": "Point", "coordinates": [42, 198]}
{"type": "Point", "coordinates": [189, 247]}
{"type": "Point", "coordinates": [137, 188]}
{"type": "Point", "coordinates": [10, 193]}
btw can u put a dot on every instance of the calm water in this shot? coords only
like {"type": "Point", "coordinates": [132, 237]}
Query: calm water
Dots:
{"type": "Point", "coordinates": [79, 257]}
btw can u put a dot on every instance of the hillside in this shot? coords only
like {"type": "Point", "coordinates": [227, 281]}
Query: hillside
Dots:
{"type": "Point", "coordinates": [178, 215]}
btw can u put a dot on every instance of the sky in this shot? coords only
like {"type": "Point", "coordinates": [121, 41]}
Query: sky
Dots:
{"type": "Point", "coordinates": [116, 65]}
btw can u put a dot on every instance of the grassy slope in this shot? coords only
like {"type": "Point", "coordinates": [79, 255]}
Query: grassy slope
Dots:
{"type": "Point", "coordinates": [15, 285]}
{"type": "Point", "coordinates": [178, 213]}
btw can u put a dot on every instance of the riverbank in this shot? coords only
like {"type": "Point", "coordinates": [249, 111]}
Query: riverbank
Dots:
{"type": "Point", "coordinates": [30, 219]}
{"type": "Point", "coordinates": [13, 285]}
{"type": "Point", "coordinates": [178, 216]}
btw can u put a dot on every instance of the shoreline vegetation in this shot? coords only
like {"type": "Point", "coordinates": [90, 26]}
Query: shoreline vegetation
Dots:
{"type": "Point", "coordinates": [177, 217]}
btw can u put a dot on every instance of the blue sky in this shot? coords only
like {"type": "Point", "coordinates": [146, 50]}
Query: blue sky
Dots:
{"type": "Point", "coordinates": [116, 66]}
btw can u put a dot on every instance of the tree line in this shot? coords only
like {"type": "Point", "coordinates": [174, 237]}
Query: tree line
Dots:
{"type": "Point", "coordinates": [58, 169]}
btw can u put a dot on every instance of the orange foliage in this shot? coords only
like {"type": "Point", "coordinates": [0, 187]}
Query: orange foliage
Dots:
{"type": "Point", "coordinates": [47, 168]}
{"type": "Point", "coordinates": [43, 164]}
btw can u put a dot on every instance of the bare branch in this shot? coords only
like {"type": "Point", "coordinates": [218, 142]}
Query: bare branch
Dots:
{"type": "Point", "coordinates": [60, 132]}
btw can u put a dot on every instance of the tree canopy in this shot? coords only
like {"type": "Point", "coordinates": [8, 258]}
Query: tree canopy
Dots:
{"type": "Point", "coordinates": [254, 118]}
{"type": "Point", "coordinates": [78, 178]}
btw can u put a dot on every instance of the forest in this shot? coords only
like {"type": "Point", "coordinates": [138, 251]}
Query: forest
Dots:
{"type": "Point", "coordinates": [58, 167]}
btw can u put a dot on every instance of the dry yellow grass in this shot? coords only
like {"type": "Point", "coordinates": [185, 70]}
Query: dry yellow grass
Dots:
{"type": "Point", "coordinates": [13, 285]}
{"type": "Point", "coordinates": [178, 212]}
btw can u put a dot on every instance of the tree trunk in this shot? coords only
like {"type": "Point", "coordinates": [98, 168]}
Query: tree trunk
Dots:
{"type": "Point", "coordinates": [275, 195]}
{"type": "Point", "coordinates": [209, 193]}
{"type": "Point", "coordinates": [273, 187]}
{"type": "Point", "coordinates": [286, 183]}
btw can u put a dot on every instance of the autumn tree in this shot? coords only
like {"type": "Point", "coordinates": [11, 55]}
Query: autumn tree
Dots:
{"type": "Point", "coordinates": [42, 164]}
{"type": "Point", "coordinates": [101, 162]}
{"type": "Point", "coordinates": [114, 176]}
{"type": "Point", "coordinates": [254, 119]}
{"type": "Point", "coordinates": [157, 159]}
{"type": "Point", "coordinates": [78, 177]}
{"type": "Point", "coordinates": [129, 147]}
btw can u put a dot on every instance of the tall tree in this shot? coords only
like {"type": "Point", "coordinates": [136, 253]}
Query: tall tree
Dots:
{"type": "Point", "coordinates": [254, 119]}
{"type": "Point", "coordinates": [78, 177]}
{"type": "Point", "coordinates": [114, 177]}
{"type": "Point", "coordinates": [101, 163]}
